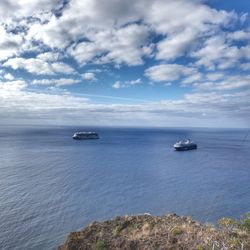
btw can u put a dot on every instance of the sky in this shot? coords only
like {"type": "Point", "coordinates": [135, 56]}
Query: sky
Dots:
{"type": "Point", "coordinates": [170, 63]}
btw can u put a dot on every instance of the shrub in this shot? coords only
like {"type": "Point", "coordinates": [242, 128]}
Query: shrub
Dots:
{"type": "Point", "coordinates": [199, 247]}
{"type": "Point", "coordinates": [177, 231]}
{"type": "Point", "coordinates": [101, 245]}
{"type": "Point", "coordinates": [246, 221]}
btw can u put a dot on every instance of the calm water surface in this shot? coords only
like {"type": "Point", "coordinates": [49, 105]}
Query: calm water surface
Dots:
{"type": "Point", "coordinates": [51, 185]}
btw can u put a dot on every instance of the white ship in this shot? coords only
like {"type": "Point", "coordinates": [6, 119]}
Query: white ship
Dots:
{"type": "Point", "coordinates": [85, 135]}
{"type": "Point", "coordinates": [185, 145]}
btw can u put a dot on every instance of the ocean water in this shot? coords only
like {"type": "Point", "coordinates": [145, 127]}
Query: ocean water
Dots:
{"type": "Point", "coordinates": [51, 185]}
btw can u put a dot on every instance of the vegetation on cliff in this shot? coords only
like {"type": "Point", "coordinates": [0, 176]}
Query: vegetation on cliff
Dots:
{"type": "Point", "coordinates": [161, 232]}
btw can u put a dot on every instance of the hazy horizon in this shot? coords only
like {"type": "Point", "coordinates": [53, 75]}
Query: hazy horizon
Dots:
{"type": "Point", "coordinates": [129, 126]}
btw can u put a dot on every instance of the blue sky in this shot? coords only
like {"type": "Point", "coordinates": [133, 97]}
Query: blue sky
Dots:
{"type": "Point", "coordinates": [125, 63]}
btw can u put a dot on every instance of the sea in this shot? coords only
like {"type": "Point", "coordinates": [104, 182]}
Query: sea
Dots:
{"type": "Point", "coordinates": [51, 184]}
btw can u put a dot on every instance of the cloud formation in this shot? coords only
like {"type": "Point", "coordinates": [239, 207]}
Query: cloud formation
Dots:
{"type": "Point", "coordinates": [168, 72]}
{"type": "Point", "coordinates": [38, 67]}
{"type": "Point", "coordinates": [89, 76]}
{"type": "Point", "coordinates": [124, 46]}
{"type": "Point", "coordinates": [57, 82]}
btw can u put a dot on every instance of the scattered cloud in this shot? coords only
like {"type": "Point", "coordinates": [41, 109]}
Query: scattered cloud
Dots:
{"type": "Point", "coordinates": [233, 82]}
{"type": "Point", "coordinates": [60, 67]}
{"type": "Point", "coordinates": [38, 66]}
{"type": "Point", "coordinates": [219, 83]}
{"type": "Point", "coordinates": [239, 35]}
{"type": "Point", "coordinates": [134, 82]}
{"type": "Point", "coordinates": [215, 76]}
{"type": "Point", "coordinates": [11, 9]}
{"type": "Point", "coordinates": [84, 52]}
{"type": "Point", "coordinates": [9, 77]}
{"type": "Point", "coordinates": [216, 53]}
{"type": "Point", "coordinates": [168, 72]}
{"type": "Point", "coordinates": [57, 82]}
{"type": "Point", "coordinates": [89, 76]}
{"type": "Point", "coordinates": [124, 45]}
{"type": "Point", "coordinates": [117, 85]}
{"type": "Point", "coordinates": [9, 86]}
{"type": "Point", "coordinates": [49, 56]}
{"type": "Point", "coordinates": [219, 53]}
{"type": "Point", "coordinates": [31, 65]}
{"type": "Point", "coordinates": [244, 66]}
{"type": "Point", "coordinates": [9, 44]}
{"type": "Point", "coordinates": [176, 45]}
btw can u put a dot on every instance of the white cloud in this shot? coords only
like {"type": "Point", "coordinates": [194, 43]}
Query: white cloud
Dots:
{"type": "Point", "coordinates": [32, 105]}
{"type": "Point", "coordinates": [195, 77]}
{"type": "Point", "coordinates": [105, 33]}
{"type": "Point", "coordinates": [135, 82]}
{"type": "Point", "coordinates": [57, 82]}
{"type": "Point", "coordinates": [215, 76]}
{"type": "Point", "coordinates": [218, 82]}
{"type": "Point", "coordinates": [125, 45]}
{"type": "Point", "coordinates": [243, 17]}
{"type": "Point", "coordinates": [89, 76]}
{"type": "Point", "coordinates": [59, 32]}
{"type": "Point", "coordinates": [117, 85]}
{"type": "Point", "coordinates": [113, 36]}
{"type": "Point", "coordinates": [126, 84]}
{"type": "Point", "coordinates": [60, 67]}
{"type": "Point", "coordinates": [118, 33]}
{"type": "Point", "coordinates": [191, 19]}
{"type": "Point", "coordinates": [176, 45]}
{"type": "Point", "coordinates": [244, 66]}
{"type": "Point", "coordinates": [85, 51]}
{"type": "Point", "coordinates": [245, 52]}
{"type": "Point", "coordinates": [12, 86]}
{"type": "Point", "coordinates": [43, 81]}
{"type": "Point", "coordinates": [16, 9]}
{"type": "Point", "coordinates": [168, 72]}
{"type": "Point", "coordinates": [239, 35]}
{"type": "Point", "coordinates": [34, 66]}
{"type": "Point", "coordinates": [9, 44]}
{"type": "Point", "coordinates": [38, 66]}
{"type": "Point", "coordinates": [9, 77]}
{"type": "Point", "coordinates": [52, 34]}
{"type": "Point", "coordinates": [182, 14]}
{"type": "Point", "coordinates": [49, 56]}
{"type": "Point", "coordinates": [217, 53]}
{"type": "Point", "coordinates": [234, 82]}
{"type": "Point", "coordinates": [184, 24]}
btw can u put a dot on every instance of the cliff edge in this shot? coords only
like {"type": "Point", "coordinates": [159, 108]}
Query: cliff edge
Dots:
{"type": "Point", "coordinates": [146, 232]}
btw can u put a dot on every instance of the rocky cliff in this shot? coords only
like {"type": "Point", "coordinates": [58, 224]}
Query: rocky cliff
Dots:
{"type": "Point", "coordinates": [160, 232]}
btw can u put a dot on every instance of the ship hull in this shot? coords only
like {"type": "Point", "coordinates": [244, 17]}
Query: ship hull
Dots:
{"type": "Point", "coordinates": [85, 138]}
{"type": "Point", "coordinates": [185, 148]}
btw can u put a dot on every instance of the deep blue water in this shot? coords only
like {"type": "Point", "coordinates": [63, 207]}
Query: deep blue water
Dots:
{"type": "Point", "coordinates": [51, 185]}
